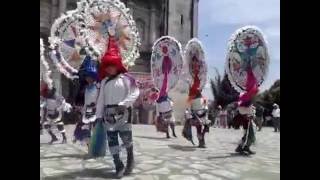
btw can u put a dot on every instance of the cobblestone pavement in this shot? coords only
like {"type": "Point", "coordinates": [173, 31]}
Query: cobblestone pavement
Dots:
{"type": "Point", "coordinates": [158, 158]}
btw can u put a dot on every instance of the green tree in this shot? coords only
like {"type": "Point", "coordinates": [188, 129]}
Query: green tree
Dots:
{"type": "Point", "coordinates": [222, 91]}
{"type": "Point", "coordinates": [270, 96]}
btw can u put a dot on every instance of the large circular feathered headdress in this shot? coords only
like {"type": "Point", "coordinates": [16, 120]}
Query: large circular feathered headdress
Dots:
{"type": "Point", "coordinates": [247, 62]}
{"type": "Point", "coordinates": [166, 64]}
{"type": "Point", "coordinates": [102, 16]}
{"type": "Point", "coordinates": [85, 32]}
{"type": "Point", "coordinates": [65, 43]}
{"type": "Point", "coordinates": [195, 58]}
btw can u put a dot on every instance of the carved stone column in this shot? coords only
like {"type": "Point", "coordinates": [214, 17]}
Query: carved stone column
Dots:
{"type": "Point", "coordinates": [54, 10]}
{"type": "Point", "coordinates": [62, 6]}
{"type": "Point", "coordinates": [195, 18]}
{"type": "Point", "coordinates": [153, 25]}
{"type": "Point", "coordinates": [45, 13]}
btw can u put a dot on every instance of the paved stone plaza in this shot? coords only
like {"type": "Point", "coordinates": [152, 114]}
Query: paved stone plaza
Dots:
{"type": "Point", "coordinates": [158, 158]}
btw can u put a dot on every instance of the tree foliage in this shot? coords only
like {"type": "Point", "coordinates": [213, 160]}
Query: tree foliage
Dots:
{"type": "Point", "coordinates": [270, 96]}
{"type": "Point", "coordinates": [222, 91]}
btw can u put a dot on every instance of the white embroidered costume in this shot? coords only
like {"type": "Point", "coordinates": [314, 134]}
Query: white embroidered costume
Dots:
{"type": "Point", "coordinates": [118, 91]}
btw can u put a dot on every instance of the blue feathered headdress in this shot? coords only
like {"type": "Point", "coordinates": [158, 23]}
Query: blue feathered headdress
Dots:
{"type": "Point", "coordinates": [89, 68]}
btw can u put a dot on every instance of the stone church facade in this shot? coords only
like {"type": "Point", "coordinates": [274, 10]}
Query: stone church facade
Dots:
{"type": "Point", "coordinates": [154, 18]}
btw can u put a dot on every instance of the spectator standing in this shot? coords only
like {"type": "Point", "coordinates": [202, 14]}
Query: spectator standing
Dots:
{"type": "Point", "coordinates": [276, 117]}
{"type": "Point", "coordinates": [259, 117]}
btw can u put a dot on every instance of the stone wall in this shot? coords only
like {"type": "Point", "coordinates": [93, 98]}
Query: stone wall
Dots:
{"type": "Point", "coordinates": [147, 14]}
{"type": "Point", "coordinates": [180, 20]}
{"type": "Point", "coordinates": [45, 13]}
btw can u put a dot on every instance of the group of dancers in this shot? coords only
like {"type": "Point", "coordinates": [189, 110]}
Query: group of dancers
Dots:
{"type": "Point", "coordinates": [167, 62]}
{"type": "Point", "coordinates": [110, 90]}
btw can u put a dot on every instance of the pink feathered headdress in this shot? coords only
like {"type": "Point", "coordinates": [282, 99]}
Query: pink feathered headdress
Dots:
{"type": "Point", "coordinates": [245, 99]}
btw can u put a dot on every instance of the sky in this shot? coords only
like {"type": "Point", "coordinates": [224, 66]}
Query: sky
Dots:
{"type": "Point", "coordinates": [219, 19]}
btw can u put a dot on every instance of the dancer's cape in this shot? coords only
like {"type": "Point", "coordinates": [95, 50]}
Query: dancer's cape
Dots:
{"type": "Point", "coordinates": [166, 64]}
{"type": "Point", "coordinates": [247, 60]}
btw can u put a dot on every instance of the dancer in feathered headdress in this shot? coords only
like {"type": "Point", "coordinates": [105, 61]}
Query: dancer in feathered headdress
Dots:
{"type": "Point", "coordinates": [118, 92]}
{"type": "Point", "coordinates": [166, 65]}
{"type": "Point", "coordinates": [247, 64]}
{"type": "Point", "coordinates": [51, 104]}
{"type": "Point", "coordinates": [197, 114]}
{"type": "Point", "coordinates": [108, 33]}
{"type": "Point", "coordinates": [89, 71]}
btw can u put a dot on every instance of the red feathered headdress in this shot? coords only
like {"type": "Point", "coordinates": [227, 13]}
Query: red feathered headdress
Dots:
{"type": "Point", "coordinates": [111, 57]}
{"type": "Point", "coordinates": [251, 89]}
{"type": "Point", "coordinates": [195, 90]}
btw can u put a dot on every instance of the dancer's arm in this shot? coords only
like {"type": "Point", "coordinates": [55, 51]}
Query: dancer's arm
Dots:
{"type": "Point", "coordinates": [133, 92]}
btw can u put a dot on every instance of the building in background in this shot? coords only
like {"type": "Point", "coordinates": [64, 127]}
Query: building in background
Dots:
{"type": "Point", "coordinates": [154, 18]}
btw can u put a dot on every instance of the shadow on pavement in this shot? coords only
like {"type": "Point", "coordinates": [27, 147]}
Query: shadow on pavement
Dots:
{"type": "Point", "coordinates": [104, 173]}
{"type": "Point", "coordinates": [78, 156]}
{"type": "Point", "coordinates": [43, 144]}
{"type": "Point", "coordinates": [46, 144]}
{"type": "Point", "coordinates": [149, 137]}
{"type": "Point", "coordinates": [182, 148]}
{"type": "Point", "coordinates": [227, 156]}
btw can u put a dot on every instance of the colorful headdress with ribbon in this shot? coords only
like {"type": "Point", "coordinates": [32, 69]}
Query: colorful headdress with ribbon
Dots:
{"type": "Point", "coordinates": [166, 64]}
{"type": "Point", "coordinates": [247, 62]}
{"type": "Point", "coordinates": [87, 28]}
{"type": "Point", "coordinates": [195, 58]}
{"type": "Point", "coordinates": [65, 44]}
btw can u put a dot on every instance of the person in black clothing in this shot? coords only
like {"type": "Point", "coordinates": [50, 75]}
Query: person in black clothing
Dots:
{"type": "Point", "coordinates": [259, 117]}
